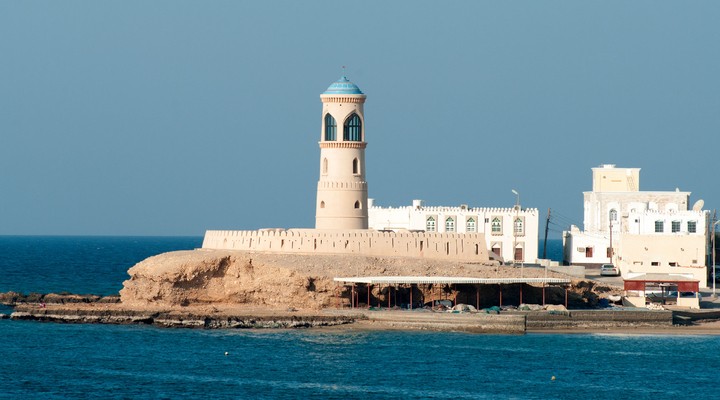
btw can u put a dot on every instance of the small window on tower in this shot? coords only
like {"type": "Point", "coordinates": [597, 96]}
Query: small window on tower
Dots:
{"type": "Point", "coordinates": [356, 166]}
{"type": "Point", "coordinates": [357, 204]}
{"type": "Point", "coordinates": [322, 204]}
{"type": "Point", "coordinates": [325, 166]}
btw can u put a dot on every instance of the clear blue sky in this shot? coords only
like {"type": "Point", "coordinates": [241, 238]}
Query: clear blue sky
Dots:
{"type": "Point", "coordinates": [173, 117]}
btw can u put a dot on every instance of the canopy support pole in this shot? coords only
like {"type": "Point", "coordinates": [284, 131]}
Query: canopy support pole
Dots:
{"type": "Point", "coordinates": [521, 287]}
{"type": "Point", "coordinates": [500, 286]}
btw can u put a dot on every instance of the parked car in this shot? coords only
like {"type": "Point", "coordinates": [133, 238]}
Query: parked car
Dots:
{"type": "Point", "coordinates": [609, 270]}
{"type": "Point", "coordinates": [674, 294]}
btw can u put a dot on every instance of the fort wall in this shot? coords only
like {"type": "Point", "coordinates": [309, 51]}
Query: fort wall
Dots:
{"type": "Point", "coordinates": [464, 247]}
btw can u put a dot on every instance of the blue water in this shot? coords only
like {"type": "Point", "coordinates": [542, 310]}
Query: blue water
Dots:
{"type": "Point", "coordinates": [48, 360]}
{"type": "Point", "coordinates": [77, 264]}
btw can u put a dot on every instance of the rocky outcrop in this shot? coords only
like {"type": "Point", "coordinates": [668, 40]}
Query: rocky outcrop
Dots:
{"type": "Point", "coordinates": [175, 319]}
{"type": "Point", "coordinates": [208, 277]}
{"type": "Point", "coordinates": [15, 298]}
{"type": "Point", "coordinates": [271, 280]}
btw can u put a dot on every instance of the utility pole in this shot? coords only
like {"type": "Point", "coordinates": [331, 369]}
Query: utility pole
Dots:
{"type": "Point", "coordinates": [611, 246]}
{"type": "Point", "coordinates": [547, 223]}
{"type": "Point", "coordinates": [712, 264]}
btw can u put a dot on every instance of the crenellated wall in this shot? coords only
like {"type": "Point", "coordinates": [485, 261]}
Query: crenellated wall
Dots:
{"type": "Point", "coordinates": [466, 247]}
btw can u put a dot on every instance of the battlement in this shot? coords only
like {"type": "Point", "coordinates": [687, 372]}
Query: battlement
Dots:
{"type": "Point", "coordinates": [463, 247]}
{"type": "Point", "coordinates": [481, 210]}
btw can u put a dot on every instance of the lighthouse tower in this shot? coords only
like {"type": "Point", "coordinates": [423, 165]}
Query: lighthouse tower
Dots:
{"type": "Point", "coordinates": [342, 190]}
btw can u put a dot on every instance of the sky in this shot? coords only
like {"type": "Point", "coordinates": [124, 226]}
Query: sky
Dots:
{"type": "Point", "coordinates": [174, 117]}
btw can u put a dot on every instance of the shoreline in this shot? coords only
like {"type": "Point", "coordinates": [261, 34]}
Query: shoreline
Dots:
{"type": "Point", "coordinates": [612, 322]}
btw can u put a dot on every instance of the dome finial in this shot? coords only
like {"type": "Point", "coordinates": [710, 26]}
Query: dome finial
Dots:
{"type": "Point", "coordinates": [343, 86]}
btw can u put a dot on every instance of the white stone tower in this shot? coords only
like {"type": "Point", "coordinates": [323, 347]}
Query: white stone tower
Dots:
{"type": "Point", "coordinates": [342, 191]}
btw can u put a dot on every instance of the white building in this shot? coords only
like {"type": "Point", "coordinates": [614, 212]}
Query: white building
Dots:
{"type": "Point", "coordinates": [640, 232]}
{"type": "Point", "coordinates": [505, 229]}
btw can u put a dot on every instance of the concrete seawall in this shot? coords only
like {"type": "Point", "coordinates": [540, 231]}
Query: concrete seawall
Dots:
{"type": "Point", "coordinates": [475, 323]}
{"type": "Point", "coordinates": [598, 319]}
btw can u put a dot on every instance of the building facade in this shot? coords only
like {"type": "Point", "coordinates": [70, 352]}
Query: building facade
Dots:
{"type": "Point", "coordinates": [639, 231]}
{"type": "Point", "coordinates": [511, 233]}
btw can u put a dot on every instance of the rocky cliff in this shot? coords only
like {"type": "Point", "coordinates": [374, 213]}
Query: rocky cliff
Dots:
{"type": "Point", "coordinates": [198, 277]}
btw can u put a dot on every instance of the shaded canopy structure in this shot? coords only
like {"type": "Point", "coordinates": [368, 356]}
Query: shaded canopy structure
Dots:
{"type": "Point", "coordinates": [413, 281]}
{"type": "Point", "coordinates": [636, 289]}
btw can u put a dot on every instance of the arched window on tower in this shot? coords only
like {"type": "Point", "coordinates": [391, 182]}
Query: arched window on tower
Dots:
{"type": "Point", "coordinates": [352, 131]}
{"type": "Point", "coordinates": [330, 128]}
{"type": "Point", "coordinates": [322, 204]}
{"type": "Point", "coordinates": [356, 166]}
{"type": "Point", "coordinates": [357, 204]}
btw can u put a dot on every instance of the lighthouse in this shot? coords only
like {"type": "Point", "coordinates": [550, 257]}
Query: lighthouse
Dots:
{"type": "Point", "coordinates": [342, 189]}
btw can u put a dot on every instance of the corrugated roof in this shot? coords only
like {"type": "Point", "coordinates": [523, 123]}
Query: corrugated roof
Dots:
{"type": "Point", "coordinates": [655, 277]}
{"type": "Point", "coordinates": [393, 280]}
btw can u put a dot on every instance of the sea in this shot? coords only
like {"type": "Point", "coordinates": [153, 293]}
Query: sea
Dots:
{"type": "Point", "coordinates": [59, 361]}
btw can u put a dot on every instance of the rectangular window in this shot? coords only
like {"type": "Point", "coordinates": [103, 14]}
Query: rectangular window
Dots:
{"type": "Point", "coordinates": [692, 226]}
{"type": "Point", "coordinates": [673, 264]}
{"type": "Point", "coordinates": [655, 263]}
{"type": "Point", "coordinates": [609, 252]}
{"type": "Point", "coordinates": [659, 227]}
{"type": "Point", "coordinates": [675, 227]}
{"type": "Point", "coordinates": [588, 252]}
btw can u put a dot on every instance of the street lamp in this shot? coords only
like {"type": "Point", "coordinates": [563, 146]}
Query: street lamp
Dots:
{"type": "Point", "coordinates": [514, 227]}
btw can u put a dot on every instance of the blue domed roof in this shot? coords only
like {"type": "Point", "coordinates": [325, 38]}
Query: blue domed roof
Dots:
{"type": "Point", "coordinates": [343, 86]}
